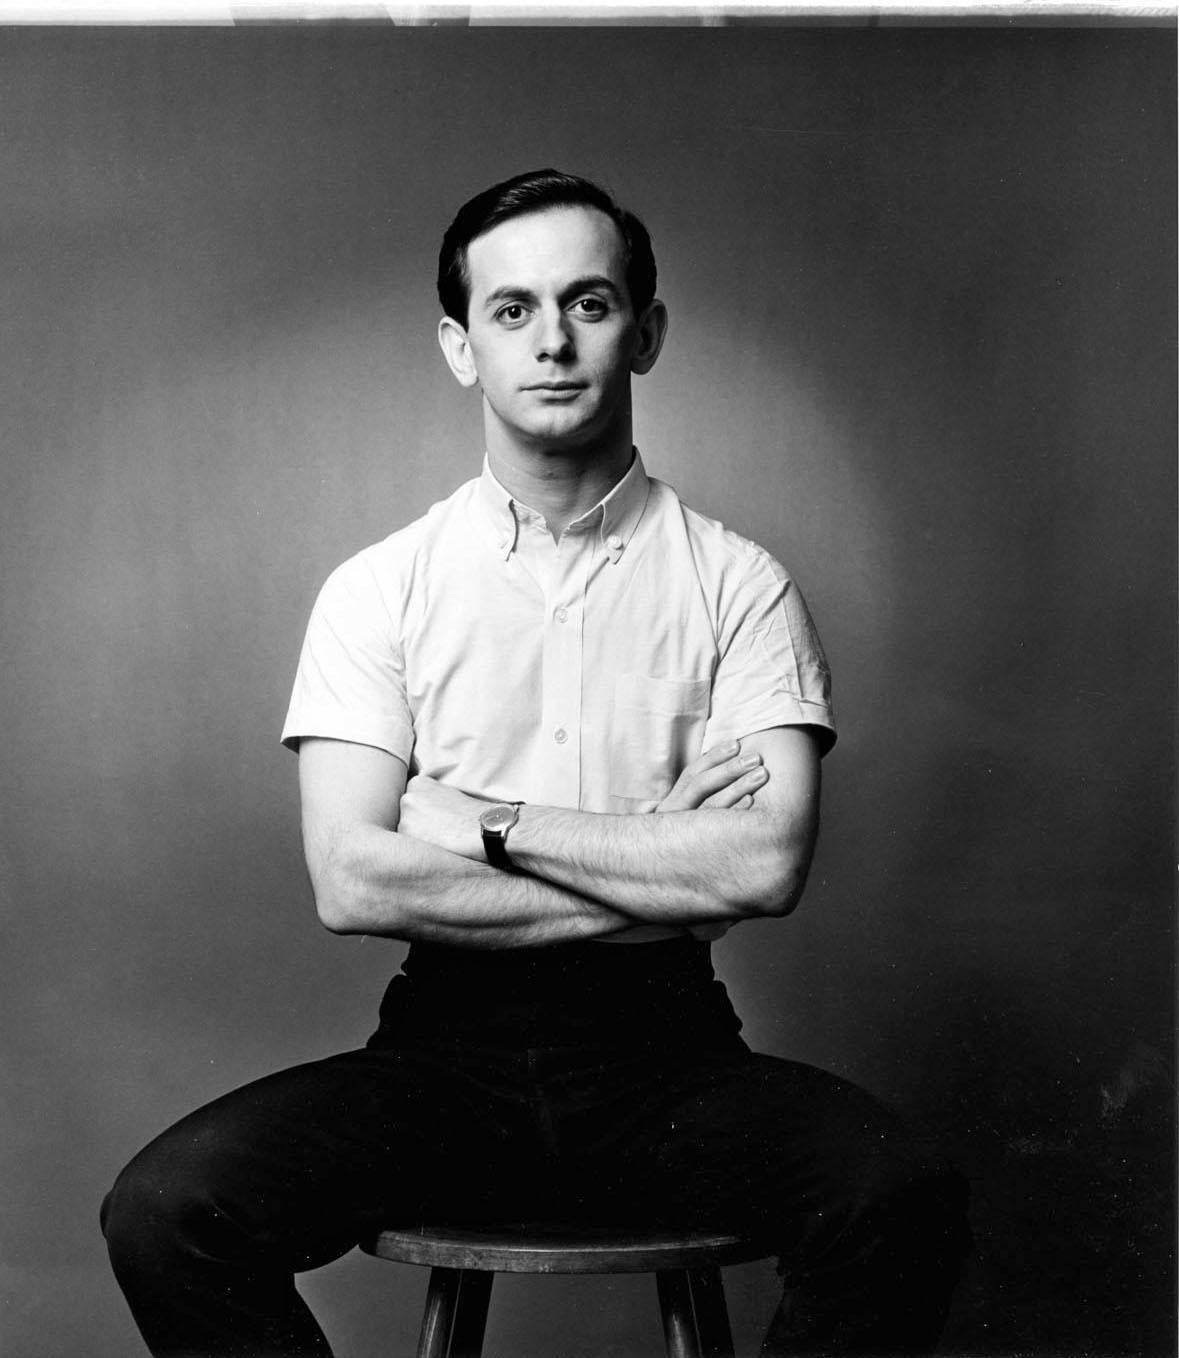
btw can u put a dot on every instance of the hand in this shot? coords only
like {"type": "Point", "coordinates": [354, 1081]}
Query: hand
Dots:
{"type": "Point", "coordinates": [442, 816]}
{"type": "Point", "coordinates": [722, 777]}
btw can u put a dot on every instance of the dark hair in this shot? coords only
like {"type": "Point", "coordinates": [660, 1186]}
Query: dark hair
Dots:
{"type": "Point", "coordinates": [534, 192]}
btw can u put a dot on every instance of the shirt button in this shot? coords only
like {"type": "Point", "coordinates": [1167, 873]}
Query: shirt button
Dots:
{"type": "Point", "coordinates": [614, 541]}
{"type": "Point", "coordinates": [562, 614]}
{"type": "Point", "coordinates": [560, 735]}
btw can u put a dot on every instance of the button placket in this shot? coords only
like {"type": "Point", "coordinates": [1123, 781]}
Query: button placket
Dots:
{"type": "Point", "coordinates": [563, 671]}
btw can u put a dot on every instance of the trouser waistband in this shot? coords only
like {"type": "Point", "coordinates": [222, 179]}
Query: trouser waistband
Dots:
{"type": "Point", "coordinates": [569, 994]}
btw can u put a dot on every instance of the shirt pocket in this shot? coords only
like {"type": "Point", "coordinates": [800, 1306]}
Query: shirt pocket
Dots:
{"type": "Point", "coordinates": [655, 729]}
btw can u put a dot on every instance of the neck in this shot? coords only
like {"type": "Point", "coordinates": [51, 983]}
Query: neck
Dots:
{"type": "Point", "coordinates": [560, 483]}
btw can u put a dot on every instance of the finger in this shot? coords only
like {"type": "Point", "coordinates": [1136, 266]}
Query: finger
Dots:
{"type": "Point", "coordinates": [691, 792]}
{"type": "Point", "coordinates": [709, 780]}
{"type": "Point", "coordinates": [718, 754]}
{"type": "Point", "coordinates": [743, 786]}
{"type": "Point", "coordinates": [724, 775]}
{"type": "Point", "coordinates": [688, 792]}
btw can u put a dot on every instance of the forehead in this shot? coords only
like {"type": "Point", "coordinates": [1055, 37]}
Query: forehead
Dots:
{"type": "Point", "coordinates": [539, 250]}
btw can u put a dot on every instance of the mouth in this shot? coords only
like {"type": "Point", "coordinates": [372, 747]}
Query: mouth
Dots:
{"type": "Point", "coordinates": [556, 388]}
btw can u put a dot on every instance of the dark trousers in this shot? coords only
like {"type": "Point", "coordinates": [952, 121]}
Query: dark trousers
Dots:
{"type": "Point", "coordinates": [589, 1083]}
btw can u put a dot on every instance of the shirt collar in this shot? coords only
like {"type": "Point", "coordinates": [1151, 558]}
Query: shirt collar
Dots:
{"type": "Point", "coordinates": [616, 515]}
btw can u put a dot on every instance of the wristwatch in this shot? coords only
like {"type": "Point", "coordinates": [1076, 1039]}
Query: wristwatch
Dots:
{"type": "Point", "coordinates": [494, 825]}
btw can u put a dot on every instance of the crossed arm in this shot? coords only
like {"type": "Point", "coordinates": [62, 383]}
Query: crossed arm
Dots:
{"type": "Point", "coordinates": [403, 857]}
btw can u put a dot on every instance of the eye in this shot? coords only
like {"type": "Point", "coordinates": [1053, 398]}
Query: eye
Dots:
{"type": "Point", "coordinates": [512, 314]}
{"type": "Point", "coordinates": [590, 308]}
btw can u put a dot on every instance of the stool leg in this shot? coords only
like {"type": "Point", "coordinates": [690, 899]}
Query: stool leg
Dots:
{"type": "Point", "coordinates": [470, 1318]}
{"type": "Point", "coordinates": [438, 1317]}
{"type": "Point", "coordinates": [712, 1315]}
{"type": "Point", "coordinates": [675, 1305]}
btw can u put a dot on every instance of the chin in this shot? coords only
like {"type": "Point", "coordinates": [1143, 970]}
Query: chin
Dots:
{"type": "Point", "coordinates": [570, 433]}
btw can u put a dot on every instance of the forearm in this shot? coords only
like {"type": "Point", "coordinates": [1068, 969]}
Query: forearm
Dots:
{"type": "Point", "coordinates": [732, 839]}
{"type": "Point", "coordinates": [683, 867]}
{"type": "Point", "coordinates": [375, 881]}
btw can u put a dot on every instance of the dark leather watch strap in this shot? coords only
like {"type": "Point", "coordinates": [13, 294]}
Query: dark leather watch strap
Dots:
{"type": "Point", "coordinates": [495, 844]}
{"type": "Point", "coordinates": [496, 851]}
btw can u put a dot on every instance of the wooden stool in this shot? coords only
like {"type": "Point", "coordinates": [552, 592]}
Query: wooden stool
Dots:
{"type": "Point", "coordinates": [464, 1262]}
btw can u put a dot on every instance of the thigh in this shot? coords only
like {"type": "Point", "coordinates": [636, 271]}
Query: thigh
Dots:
{"type": "Point", "coordinates": [309, 1158]}
{"type": "Point", "coordinates": [758, 1143]}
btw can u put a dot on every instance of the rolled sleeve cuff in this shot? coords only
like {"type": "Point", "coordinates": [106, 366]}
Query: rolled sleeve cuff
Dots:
{"type": "Point", "coordinates": [390, 736]}
{"type": "Point", "coordinates": [819, 717]}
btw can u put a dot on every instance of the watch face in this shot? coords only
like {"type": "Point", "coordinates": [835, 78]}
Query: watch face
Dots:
{"type": "Point", "coordinates": [498, 818]}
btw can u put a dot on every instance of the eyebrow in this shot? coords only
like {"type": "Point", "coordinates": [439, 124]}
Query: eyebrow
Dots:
{"type": "Point", "coordinates": [593, 282]}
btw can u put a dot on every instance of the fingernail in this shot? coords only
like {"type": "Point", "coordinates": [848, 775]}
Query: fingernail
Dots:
{"type": "Point", "coordinates": [751, 761]}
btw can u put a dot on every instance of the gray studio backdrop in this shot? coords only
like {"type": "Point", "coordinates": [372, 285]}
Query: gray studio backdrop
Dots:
{"type": "Point", "coordinates": [922, 293]}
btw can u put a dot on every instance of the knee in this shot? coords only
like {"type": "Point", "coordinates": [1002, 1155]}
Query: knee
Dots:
{"type": "Point", "coordinates": [920, 1203]}
{"type": "Point", "coordinates": [947, 1192]}
{"type": "Point", "coordinates": [155, 1203]}
{"type": "Point", "coordinates": [929, 1184]}
{"type": "Point", "coordinates": [137, 1205]}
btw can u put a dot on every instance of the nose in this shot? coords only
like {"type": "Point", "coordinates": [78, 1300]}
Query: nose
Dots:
{"type": "Point", "coordinates": [553, 341]}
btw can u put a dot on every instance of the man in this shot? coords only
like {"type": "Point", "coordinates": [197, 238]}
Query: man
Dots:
{"type": "Point", "coordinates": [557, 734]}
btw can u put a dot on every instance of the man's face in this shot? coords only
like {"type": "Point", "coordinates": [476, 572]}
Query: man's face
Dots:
{"type": "Point", "coordinates": [551, 335]}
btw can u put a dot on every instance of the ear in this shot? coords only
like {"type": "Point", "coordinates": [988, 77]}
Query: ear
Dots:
{"type": "Point", "coordinates": [652, 331]}
{"type": "Point", "coordinates": [456, 349]}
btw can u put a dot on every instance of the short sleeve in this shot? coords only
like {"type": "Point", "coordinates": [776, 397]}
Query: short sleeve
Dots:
{"type": "Point", "coordinates": [350, 683]}
{"type": "Point", "coordinates": [771, 670]}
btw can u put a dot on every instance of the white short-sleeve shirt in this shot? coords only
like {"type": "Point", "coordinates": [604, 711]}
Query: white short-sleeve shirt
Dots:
{"type": "Point", "coordinates": [584, 673]}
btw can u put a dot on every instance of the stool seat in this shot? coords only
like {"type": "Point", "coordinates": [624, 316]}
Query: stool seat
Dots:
{"type": "Point", "coordinates": [562, 1249]}
{"type": "Point", "coordinates": [463, 1262]}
